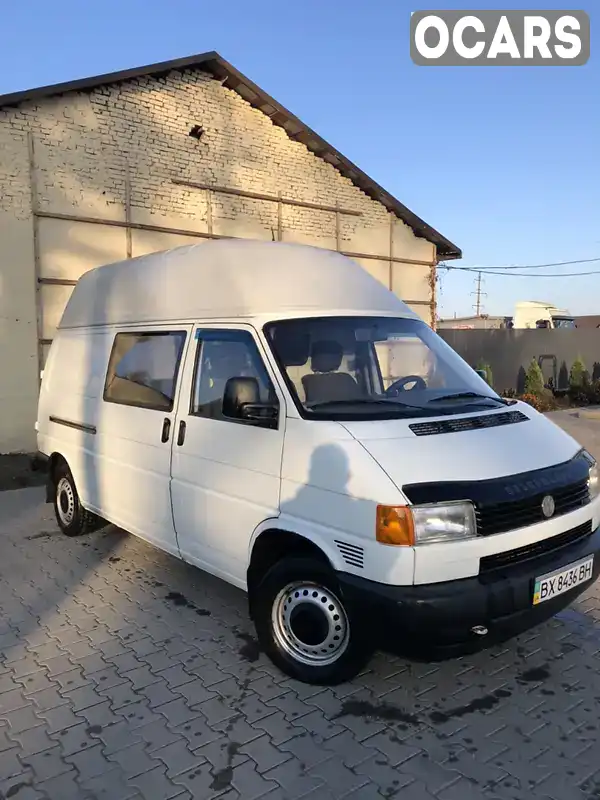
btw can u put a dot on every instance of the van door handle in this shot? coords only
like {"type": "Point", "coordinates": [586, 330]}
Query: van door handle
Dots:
{"type": "Point", "coordinates": [181, 434]}
{"type": "Point", "coordinates": [166, 430]}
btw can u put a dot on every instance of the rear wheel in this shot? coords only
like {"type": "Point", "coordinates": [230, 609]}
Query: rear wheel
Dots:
{"type": "Point", "coordinates": [72, 518]}
{"type": "Point", "coordinates": [304, 626]}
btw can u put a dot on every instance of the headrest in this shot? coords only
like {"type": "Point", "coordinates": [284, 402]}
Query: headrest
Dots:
{"type": "Point", "coordinates": [228, 359]}
{"type": "Point", "coordinates": [326, 356]}
{"type": "Point", "coordinates": [293, 346]}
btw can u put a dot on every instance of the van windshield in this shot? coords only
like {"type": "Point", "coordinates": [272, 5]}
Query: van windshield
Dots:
{"type": "Point", "coordinates": [374, 367]}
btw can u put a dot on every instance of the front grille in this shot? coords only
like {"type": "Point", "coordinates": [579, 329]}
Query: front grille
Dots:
{"type": "Point", "coordinates": [467, 423]}
{"type": "Point", "coordinates": [550, 545]}
{"type": "Point", "coordinates": [506, 516]}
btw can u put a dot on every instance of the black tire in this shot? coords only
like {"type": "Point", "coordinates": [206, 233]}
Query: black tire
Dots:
{"type": "Point", "coordinates": [71, 516]}
{"type": "Point", "coordinates": [301, 621]}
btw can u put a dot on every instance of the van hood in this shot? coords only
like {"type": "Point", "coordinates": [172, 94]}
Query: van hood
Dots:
{"type": "Point", "coordinates": [476, 454]}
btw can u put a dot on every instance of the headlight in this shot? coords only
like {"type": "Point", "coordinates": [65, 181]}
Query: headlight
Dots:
{"type": "Point", "coordinates": [594, 475]}
{"type": "Point", "coordinates": [430, 524]}
{"type": "Point", "coordinates": [594, 482]}
{"type": "Point", "coordinates": [444, 523]}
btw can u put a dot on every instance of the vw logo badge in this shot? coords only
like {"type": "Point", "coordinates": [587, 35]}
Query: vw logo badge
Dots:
{"type": "Point", "coordinates": [548, 506]}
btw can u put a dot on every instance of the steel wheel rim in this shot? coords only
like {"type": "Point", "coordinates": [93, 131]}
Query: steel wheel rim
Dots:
{"type": "Point", "coordinates": [310, 624]}
{"type": "Point", "coordinates": [65, 501]}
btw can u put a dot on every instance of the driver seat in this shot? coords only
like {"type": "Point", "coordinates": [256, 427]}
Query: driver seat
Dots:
{"type": "Point", "coordinates": [326, 384]}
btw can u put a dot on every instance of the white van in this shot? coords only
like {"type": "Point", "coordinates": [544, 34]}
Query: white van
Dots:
{"type": "Point", "coordinates": [275, 416]}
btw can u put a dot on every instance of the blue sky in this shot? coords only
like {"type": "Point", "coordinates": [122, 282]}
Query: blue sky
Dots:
{"type": "Point", "coordinates": [503, 161]}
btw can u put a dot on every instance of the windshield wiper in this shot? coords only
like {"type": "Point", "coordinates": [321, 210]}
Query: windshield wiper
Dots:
{"type": "Point", "coordinates": [466, 396]}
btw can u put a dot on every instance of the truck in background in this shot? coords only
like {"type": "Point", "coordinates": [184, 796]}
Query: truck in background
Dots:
{"type": "Point", "coordinates": [537, 314]}
{"type": "Point", "coordinates": [528, 314]}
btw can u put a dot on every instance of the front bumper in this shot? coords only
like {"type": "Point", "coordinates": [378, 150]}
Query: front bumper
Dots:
{"type": "Point", "coordinates": [438, 619]}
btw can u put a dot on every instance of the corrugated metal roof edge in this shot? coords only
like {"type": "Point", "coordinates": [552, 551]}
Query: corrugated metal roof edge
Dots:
{"type": "Point", "coordinates": [233, 79]}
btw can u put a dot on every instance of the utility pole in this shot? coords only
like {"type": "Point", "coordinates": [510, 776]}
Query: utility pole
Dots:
{"type": "Point", "coordinates": [478, 295]}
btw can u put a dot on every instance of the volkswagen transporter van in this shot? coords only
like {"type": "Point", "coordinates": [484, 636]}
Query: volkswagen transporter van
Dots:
{"type": "Point", "coordinates": [273, 415]}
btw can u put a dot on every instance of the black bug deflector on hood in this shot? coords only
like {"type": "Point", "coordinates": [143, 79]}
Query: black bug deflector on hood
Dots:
{"type": "Point", "coordinates": [506, 503]}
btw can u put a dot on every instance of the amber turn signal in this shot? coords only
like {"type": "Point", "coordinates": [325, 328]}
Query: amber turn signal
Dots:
{"type": "Point", "coordinates": [394, 525]}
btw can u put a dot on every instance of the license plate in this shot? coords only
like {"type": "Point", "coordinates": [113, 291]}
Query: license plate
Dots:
{"type": "Point", "coordinates": [559, 582]}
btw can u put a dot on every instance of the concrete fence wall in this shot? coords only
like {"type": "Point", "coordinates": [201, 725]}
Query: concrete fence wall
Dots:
{"type": "Point", "coordinates": [509, 353]}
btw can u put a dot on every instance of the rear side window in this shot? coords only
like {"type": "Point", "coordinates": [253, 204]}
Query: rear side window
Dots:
{"type": "Point", "coordinates": [142, 369]}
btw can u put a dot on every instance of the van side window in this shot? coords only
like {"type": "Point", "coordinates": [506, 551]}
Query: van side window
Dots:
{"type": "Point", "coordinates": [222, 355]}
{"type": "Point", "coordinates": [142, 369]}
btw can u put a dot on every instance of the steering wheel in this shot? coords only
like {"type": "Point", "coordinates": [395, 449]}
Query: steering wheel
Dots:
{"type": "Point", "coordinates": [400, 385]}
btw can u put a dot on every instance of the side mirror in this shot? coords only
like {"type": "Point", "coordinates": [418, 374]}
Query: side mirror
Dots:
{"type": "Point", "coordinates": [241, 400]}
{"type": "Point", "coordinates": [482, 374]}
{"type": "Point", "coordinates": [261, 412]}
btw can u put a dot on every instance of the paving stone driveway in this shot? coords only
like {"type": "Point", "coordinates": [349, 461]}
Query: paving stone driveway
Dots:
{"type": "Point", "coordinates": [126, 674]}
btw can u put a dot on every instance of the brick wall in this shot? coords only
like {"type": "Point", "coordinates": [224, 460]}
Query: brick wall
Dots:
{"type": "Point", "coordinates": [86, 144]}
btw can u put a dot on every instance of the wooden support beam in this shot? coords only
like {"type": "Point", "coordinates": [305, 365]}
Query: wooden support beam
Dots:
{"type": "Point", "coordinates": [136, 226]}
{"type": "Point", "coordinates": [391, 245]}
{"type": "Point", "coordinates": [56, 282]}
{"type": "Point", "coordinates": [288, 201]}
{"type": "Point", "coordinates": [36, 249]}
{"type": "Point", "coordinates": [394, 259]}
{"type": "Point", "coordinates": [279, 219]}
{"type": "Point", "coordinates": [209, 212]}
{"type": "Point", "coordinates": [128, 231]}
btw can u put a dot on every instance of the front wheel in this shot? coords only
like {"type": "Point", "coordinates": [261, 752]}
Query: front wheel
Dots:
{"type": "Point", "coordinates": [73, 519]}
{"type": "Point", "coordinates": [304, 626]}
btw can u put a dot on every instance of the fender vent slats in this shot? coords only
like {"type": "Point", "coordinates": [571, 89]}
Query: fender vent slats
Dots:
{"type": "Point", "coordinates": [467, 423]}
{"type": "Point", "coordinates": [352, 555]}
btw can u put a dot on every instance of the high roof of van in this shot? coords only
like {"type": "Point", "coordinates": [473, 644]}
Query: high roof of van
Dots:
{"type": "Point", "coordinates": [227, 278]}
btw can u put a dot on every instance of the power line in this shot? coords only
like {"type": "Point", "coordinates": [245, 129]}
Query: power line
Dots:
{"type": "Point", "coordinates": [530, 274]}
{"type": "Point", "coordinates": [477, 267]}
